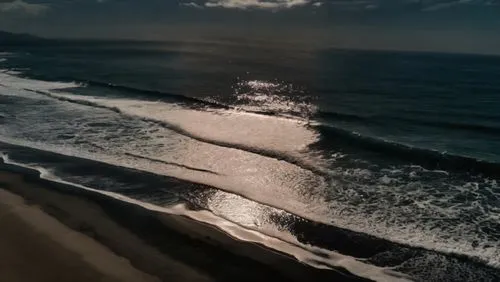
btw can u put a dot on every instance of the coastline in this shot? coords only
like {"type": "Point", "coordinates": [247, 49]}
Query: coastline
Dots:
{"type": "Point", "coordinates": [206, 243]}
{"type": "Point", "coordinates": [95, 191]}
{"type": "Point", "coordinates": [152, 245]}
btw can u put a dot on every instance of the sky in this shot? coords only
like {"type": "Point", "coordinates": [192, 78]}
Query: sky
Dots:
{"type": "Point", "coordinates": [471, 26]}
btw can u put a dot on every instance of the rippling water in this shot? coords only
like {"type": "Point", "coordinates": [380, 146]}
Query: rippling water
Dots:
{"type": "Point", "coordinates": [369, 154]}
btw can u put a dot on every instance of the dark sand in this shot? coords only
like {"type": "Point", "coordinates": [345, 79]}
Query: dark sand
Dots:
{"type": "Point", "coordinates": [51, 232]}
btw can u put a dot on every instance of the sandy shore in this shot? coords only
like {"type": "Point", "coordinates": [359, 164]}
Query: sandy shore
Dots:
{"type": "Point", "coordinates": [51, 233]}
{"type": "Point", "coordinates": [36, 247]}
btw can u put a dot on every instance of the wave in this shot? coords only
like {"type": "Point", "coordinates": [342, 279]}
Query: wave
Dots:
{"type": "Point", "coordinates": [380, 120]}
{"type": "Point", "coordinates": [283, 243]}
{"type": "Point", "coordinates": [154, 94]}
{"type": "Point", "coordinates": [329, 115]}
{"type": "Point", "coordinates": [338, 116]}
{"type": "Point", "coordinates": [146, 94]}
{"type": "Point", "coordinates": [430, 159]}
{"type": "Point", "coordinates": [307, 240]}
{"type": "Point", "coordinates": [462, 126]}
{"type": "Point", "coordinates": [416, 238]}
{"type": "Point", "coordinates": [383, 120]}
{"type": "Point", "coordinates": [271, 153]}
{"type": "Point", "coordinates": [314, 216]}
{"type": "Point", "coordinates": [310, 237]}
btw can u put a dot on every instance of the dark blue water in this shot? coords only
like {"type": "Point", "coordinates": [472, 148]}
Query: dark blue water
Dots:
{"type": "Point", "coordinates": [390, 148]}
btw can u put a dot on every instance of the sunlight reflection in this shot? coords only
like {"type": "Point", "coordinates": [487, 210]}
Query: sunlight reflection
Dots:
{"type": "Point", "coordinates": [240, 210]}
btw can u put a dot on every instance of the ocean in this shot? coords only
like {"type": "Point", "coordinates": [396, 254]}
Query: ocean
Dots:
{"type": "Point", "coordinates": [384, 163]}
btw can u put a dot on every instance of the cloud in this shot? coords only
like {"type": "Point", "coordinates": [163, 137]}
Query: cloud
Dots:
{"type": "Point", "coordinates": [256, 4]}
{"type": "Point", "coordinates": [19, 6]}
{"type": "Point", "coordinates": [192, 5]}
{"type": "Point", "coordinates": [445, 5]}
{"type": "Point", "coordinates": [340, 5]}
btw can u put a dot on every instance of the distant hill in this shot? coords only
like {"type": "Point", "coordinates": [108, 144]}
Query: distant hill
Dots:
{"type": "Point", "coordinates": [7, 38]}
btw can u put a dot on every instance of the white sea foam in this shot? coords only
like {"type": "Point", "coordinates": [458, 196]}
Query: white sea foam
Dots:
{"type": "Point", "coordinates": [244, 173]}
{"type": "Point", "coordinates": [15, 82]}
{"type": "Point", "coordinates": [283, 242]}
{"type": "Point", "coordinates": [253, 130]}
{"type": "Point", "coordinates": [270, 181]}
{"type": "Point", "coordinates": [413, 212]}
{"type": "Point", "coordinates": [257, 131]}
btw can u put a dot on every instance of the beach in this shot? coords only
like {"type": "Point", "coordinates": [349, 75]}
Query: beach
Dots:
{"type": "Point", "coordinates": [49, 235]}
{"type": "Point", "coordinates": [213, 160]}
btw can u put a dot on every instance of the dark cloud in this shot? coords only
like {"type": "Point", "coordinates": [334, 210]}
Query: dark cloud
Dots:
{"type": "Point", "coordinates": [18, 7]}
{"type": "Point", "coordinates": [275, 5]}
{"type": "Point", "coordinates": [399, 24]}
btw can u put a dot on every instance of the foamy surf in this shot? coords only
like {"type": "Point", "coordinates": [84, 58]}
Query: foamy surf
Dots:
{"type": "Point", "coordinates": [11, 80]}
{"type": "Point", "coordinates": [277, 137]}
{"type": "Point", "coordinates": [248, 173]}
{"type": "Point", "coordinates": [258, 131]}
{"type": "Point", "coordinates": [303, 253]}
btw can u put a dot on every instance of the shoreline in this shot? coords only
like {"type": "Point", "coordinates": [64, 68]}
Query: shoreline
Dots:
{"type": "Point", "coordinates": [347, 256]}
{"type": "Point", "coordinates": [161, 246]}
{"type": "Point", "coordinates": [122, 176]}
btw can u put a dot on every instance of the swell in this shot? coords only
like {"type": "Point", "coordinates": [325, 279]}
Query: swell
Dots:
{"type": "Point", "coordinates": [338, 116]}
{"type": "Point", "coordinates": [461, 126]}
{"type": "Point", "coordinates": [149, 94]}
{"type": "Point", "coordinates": [281, 156]}
{"type": "Point", "coordinates": [384, 119]}
{"type": "Point", "coordinates": [427, 158]}
{"type": "Point", "coordinates": [155, 94]}
{"type": "Point", "coordinates": [380, 119]}
{"type": "Point", "coordinates": [186, 100]}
